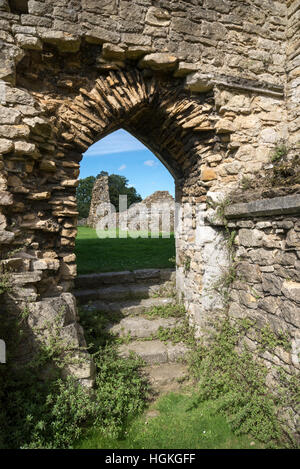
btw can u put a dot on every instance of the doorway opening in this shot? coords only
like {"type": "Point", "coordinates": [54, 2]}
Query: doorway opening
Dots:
{"type": "Point", "coordinates": [119, 170]}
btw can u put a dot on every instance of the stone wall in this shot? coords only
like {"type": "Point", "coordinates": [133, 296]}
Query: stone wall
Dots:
{"type": "Point", "coordinates": [268, 283]}
{"type": "Point", "coordinates": [155, 213]}
{"type": "Point", "coordinates": [203, 84]}
{"type": "Point", "coordinates": [242, 39]}
{"type": "Point", "coordinates": [266, 288]}
{"type": "Point", "coordinates": [293, 75]}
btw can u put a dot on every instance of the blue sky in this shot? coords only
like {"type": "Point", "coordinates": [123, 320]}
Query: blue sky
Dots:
{"type": "Point", "coordinates": [121, 153]}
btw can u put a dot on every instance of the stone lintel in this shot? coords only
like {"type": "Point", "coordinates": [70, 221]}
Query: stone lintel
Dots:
{"type": "Point", "coordinates": [289, 204]}
{"type": "Point", "coordinates": [198, 82]}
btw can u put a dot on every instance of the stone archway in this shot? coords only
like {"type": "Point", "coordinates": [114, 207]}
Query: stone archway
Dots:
{"type": "Point", "coordinates": [156, 109]}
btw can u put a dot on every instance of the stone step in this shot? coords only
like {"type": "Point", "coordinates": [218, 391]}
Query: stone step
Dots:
{"type": "Point", "coordinates": [166, 377]}
{"type": "Point", "coordinates": [129, 307]}
{"type": "Point", "coordinates": [98, 280]}
{"type": "Point", "coordinates": [140, 327]}
{"type": "Point", "coordinates": [154, 351]}
{"type": "Point", "coordinates": [118, 293]}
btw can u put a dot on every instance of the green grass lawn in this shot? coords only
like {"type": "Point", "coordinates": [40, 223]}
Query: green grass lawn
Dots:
{"type": "Point", "coordinates": [117, 254]}
{"type": "Point", "coordinates": [174, 422]}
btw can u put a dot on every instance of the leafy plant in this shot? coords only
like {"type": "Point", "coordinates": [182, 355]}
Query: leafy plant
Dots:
{"type": "Point", "coordinates": [172, 260]}
{"type": "Point", "coordinates": [246, 183]}
{"type": "Point", "coordinates": [238, 385]}
{"type": "Point", "coordinates": [120, 390]}
{"type": "Point", "coordinates": [5, 283]}
{"type": "Point", "coordinates": [176, 310]}
{"type": "Point", "coordinates": [187, 265]}
{"type": "Point", "coordinates": [182, 332]}
{"type": "Point", "coordinates": [50, 412]}
{"type": "Point", "coordinates": [280, 151]}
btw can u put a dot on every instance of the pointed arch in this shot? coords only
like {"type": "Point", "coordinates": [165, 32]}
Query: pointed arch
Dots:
{"type": "Point", "coordinates": [163, 117]}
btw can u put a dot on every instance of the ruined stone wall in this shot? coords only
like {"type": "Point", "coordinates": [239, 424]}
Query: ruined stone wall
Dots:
{"type": "Point", "coordinates": [266, 286]}
{"type": "Point", "coordinates": [100, 195]}
{"type": "Point", "coordinates": [202, 83]}
{"type": "Point", "coordinates": [293, 74]}
{"type": "Point", "coordinates": [155, 213]}
{"type": "Point", "coordinates": [243, 39]}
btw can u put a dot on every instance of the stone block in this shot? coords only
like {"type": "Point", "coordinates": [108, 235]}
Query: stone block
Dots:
{"type": "Point", "coordinates": [6, 198]}
{"type": "Point", "coordinates": [6, 145]}
{"type": "Point", "coordinates": [250, 238]}
{"type": "Point", "coordinates": [29, 42]}
{"type": "Point", "coordinates": [157, 17]}
{"type": "Point", "coordinates": [6, 237]}
{"type": "Point", "coordinates": [271, 283]}
{"type": "Point", "coordinates": [159, 61]}
{"type": "Point", "coordinates": [291, 290]}
{"type": "Point", "coordinates": [9, 115]}
{"type": "Point", "coordinates": [98, 35]}
{"type": "Point", "coordinates": [208, 174]}
{"type": "Point", "coordinates": [64, 41]}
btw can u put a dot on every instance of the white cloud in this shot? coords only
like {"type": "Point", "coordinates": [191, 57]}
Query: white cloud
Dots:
{"type": "Point", "coordinates": [123, 166]}
{"type": "Point", "coordinates": [116, 142]}
{"type": "Point", "coordinates": [150, 163]}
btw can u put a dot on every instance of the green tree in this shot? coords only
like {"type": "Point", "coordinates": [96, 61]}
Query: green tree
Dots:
{"type": "Point", "coordinates": [118, 185]}
{"type": "Point", "coordinates": [84, 195]}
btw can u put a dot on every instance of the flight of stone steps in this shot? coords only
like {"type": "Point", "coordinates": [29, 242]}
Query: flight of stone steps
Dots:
{"type": "Point", "coordinates": [131, 295]}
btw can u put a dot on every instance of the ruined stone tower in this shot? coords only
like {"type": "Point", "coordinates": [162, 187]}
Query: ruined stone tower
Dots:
{"type": "Point", "coordinates": [100, 195]}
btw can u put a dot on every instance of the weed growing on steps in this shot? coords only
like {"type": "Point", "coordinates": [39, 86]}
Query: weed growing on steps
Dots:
{"type": "Point", "coordinates": [183, 333]}
{"type": "Point", "coordinates": [176, 310]}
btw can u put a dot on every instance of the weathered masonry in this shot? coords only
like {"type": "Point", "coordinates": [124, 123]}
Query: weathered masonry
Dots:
{"type": "Point", "coordinates": [212, 87]}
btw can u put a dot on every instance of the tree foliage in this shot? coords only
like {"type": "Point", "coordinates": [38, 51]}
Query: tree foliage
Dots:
{"type": "Point", "coordinates": [84, 195]}
{"type": "Point", "coordinates": [118, 185]}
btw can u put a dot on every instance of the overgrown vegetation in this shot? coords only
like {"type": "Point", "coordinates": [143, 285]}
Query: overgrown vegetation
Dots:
{"type": "Point", "coordinates": [228, 372]}
{"type": "Point", "coordinates": [50, 412]}
{"type": "Point", "coordinates": [237, 383]}
{"type": "Point", "coordinates": [5, 283]}
{"type": "Point", "coordinates": [280, 151]}
{"type": "Point", "coordinates": [173, 422]}
{"type": "Point", "coordinates": [279, 177]}
{"type": "Point", "coordinates": [230, 392]}
{"type": "Point", "coordinates": [176, 310]}
{"type": "Point", "coordinates": [181, 333]}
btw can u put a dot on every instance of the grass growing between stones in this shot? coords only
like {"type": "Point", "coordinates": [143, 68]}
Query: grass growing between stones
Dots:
{"type": "Point", "coordinates": [117, 254]}
{"type": "Point", "coordinates": [173, 422]}
{"type": "Point", "coordinates": [169, 311]}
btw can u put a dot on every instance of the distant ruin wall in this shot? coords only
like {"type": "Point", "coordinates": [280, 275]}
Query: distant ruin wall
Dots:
{"type": "Point", "coordinates": [155, 213]}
